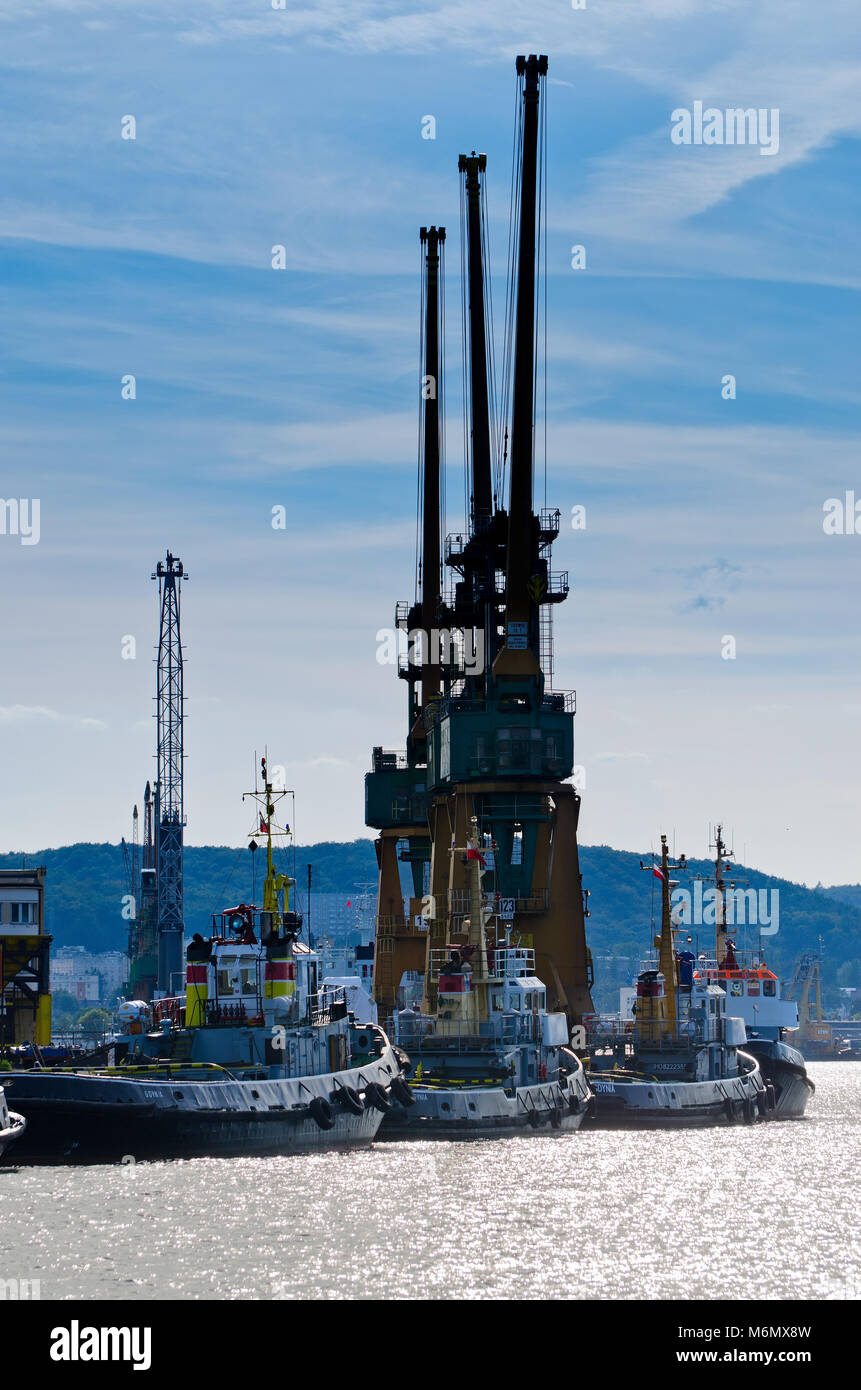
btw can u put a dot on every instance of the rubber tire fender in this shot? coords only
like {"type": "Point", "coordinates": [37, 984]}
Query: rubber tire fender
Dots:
{"type": "Point", "coordinates": [401, 1092]}
{"type": "Point", "coordinates": [376, 1096]}
{"type": "Point", "coordinates": [534, 1118]}
{"type": "Point", "coordinates": [556, 1118]}
{"type": "Point", "coordinates": [349, 1098]}
{"type": "Point", "coordinates": [321, 1113]}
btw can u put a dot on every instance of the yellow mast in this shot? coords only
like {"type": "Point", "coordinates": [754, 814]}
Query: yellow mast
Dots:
{"type": "Point", "coordinates": [656, 1015]}
{"type": "Point", "coordinates": [275, 882]}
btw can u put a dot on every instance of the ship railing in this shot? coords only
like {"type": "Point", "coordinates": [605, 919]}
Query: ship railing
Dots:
{"type": "Point", "coordinates": [327, 1006]}
{"type": "Point", "coordinates": [503, 963]}
{"type": "Point", "coordinates": [420, 1033]}
{"type": "Point", "coordinates": [656, 1035]}
{"type": "Point", "coordinates": [512, 961]}
{"type": "Point", "coordinates": [171, 1009]}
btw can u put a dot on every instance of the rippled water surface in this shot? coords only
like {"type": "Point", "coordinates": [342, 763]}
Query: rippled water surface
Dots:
{"type": "Point", "coordinates": [766, 1211]}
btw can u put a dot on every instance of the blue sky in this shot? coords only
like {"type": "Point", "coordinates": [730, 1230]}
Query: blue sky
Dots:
{"type": "Point", "coordinates": [257, 388]}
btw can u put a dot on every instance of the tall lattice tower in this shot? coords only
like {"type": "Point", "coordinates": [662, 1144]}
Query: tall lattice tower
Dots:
{"type": "Point", "coordinates": [170, 817]}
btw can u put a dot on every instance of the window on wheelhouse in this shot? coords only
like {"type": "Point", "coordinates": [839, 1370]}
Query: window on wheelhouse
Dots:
{"type": "Point", "coordinates": [769, 988]}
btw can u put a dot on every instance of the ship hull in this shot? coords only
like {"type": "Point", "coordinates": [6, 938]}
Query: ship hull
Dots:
{"type": "Point", "coordinates": [80, 1118]}
{"type": "Point", "coordinates": [783, 1066]}
{"type": "Point", "coordinates": [671, 1104]}
{"type": "Point", "coordinates": [483, 1112]}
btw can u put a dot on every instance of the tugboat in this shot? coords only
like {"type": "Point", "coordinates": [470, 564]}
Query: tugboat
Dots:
{"type": "Point", "coordinates": [12, 1126]}
{"type": "Point", "coordinates": [489, 1059]}
{"type": "Point", "coordinates": [256, 1059]}
{"type": "Point", "coordinates": [681, 1061]}
{"type": "Point", "coordinates": [754, 995]}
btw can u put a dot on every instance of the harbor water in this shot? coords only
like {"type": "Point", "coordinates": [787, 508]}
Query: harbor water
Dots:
{"type": "Point", "coordinates": [764, 1211]}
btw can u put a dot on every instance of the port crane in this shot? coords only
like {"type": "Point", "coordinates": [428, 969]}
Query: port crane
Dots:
{"type": "Point", "coordinates": [490, 745]}
{"type": "Point", "coordinates": [169, 816]}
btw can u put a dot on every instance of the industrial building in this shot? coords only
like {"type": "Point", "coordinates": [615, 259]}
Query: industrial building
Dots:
{"type": "Point", "coordinates": [25, 997]}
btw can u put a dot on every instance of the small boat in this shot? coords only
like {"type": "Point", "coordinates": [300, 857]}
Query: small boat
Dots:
{"type": "Point", "coordinates": [487, 1058]}
{"type": "Point", "coordinates": [12, 1126]}
{"type": "Point", "coordinates": [257, 1058]}
{"type": "Point", "coordinates": [682, 1060]}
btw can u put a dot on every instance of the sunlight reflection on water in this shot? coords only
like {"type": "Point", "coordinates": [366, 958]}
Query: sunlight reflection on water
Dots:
{"type": "Point", "coordinates": [763, 1212]}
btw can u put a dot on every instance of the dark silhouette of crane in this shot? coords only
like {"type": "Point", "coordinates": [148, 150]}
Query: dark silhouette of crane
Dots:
{"type": "Point", "coordinates": [169, 813]}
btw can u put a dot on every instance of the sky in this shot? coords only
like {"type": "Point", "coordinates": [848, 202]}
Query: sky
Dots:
{"type": "Point", "coordinates": [297, 388]}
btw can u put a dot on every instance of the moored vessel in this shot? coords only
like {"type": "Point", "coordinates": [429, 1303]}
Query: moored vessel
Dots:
{"type": "Point", "coordinates": [257, 1058]}
{"type": "Point", "coordinates": [754, 995]}
{"type": "Point", "coordinates": [682, 1059]}
{"type": "Point", "coordinates": [487, 1058]}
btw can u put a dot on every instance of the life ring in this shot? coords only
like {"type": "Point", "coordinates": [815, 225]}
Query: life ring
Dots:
{"type": "Point", "coordinates": [376, 1096]}
{"type": "Point", "coordinates": [321, 1113]}
{"type": "Point", "coordinates": [349, 1099]}
{"type": "Point", "coordinates": [401, 1092]}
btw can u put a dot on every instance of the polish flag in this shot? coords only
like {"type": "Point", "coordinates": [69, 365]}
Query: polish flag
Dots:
{"type": "Point", "coordinates": [659, 873]}
{"type": "Point", "coordinates": [476, 854]}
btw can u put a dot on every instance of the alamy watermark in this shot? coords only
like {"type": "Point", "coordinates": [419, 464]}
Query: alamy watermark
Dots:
{"type": "Point", "coordinates": [21, 516]}
{"type": "Point", "coordinates": [738, 906]}
{"type": "Point", "coordinates": [842, 515]}
{"type": "Point", "coordinates": [734, 126]}
{"type": "Point", "coordinates": [461, 647]}
{"type": "Point", "coordinates": [15, 1289]}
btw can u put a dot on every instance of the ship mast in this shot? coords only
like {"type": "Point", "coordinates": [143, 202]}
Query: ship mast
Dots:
{"type": "Point", "coordinates": [722, 859]}
{"type": "Point", "coordinates": [665, 943]}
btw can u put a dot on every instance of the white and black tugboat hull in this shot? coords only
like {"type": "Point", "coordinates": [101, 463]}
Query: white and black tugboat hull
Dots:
{"type": "Point", "coordinates": [76, 1117]}
{"type": "Point", "coordinates": [784, 1068]}
{"type": "Point", "coordinates": [479, 1112]}
{"type": "Point", "coordinates": [667, 1104]}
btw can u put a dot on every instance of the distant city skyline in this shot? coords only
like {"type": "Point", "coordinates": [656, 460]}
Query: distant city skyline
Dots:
{"type": "Point", "coordinates": [702, 402]}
